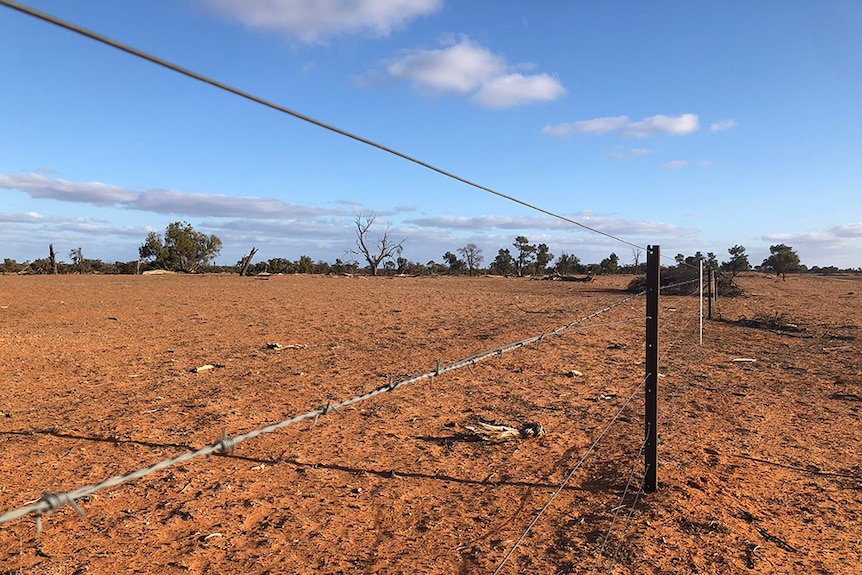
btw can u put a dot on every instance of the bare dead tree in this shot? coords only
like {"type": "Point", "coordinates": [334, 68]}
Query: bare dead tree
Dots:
{"type": "Point", "coordinates": [472, 254]}
{"type": "Point", "coordinates": [53, 257]}
{"type": "Point", "coordinates": [77, 256]}
{"type": "Point", "coordinates": [246, 261]}
{"type": "Point", "coordinates": [374, 252]}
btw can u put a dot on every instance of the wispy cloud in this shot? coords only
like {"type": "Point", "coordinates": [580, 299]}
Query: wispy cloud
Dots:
{"type": "Point", "coordinates": [847, 230]}
{"type": "Point", "coordinates": [722, 126]}
{"type": "Point", "coordinates": [40, 186]}
{"type": "Point", "coordinates": [217, 205]}
{"type": "Point", "coordinates": [159, 201]}
{"type": "Point", "coordinates": [807, 237]}
{"type": "Point", "coordinates": [609, 224]}
{"type": "Point", "coordinates": [284, 230]}
{"type": "Point", "coordinates": [466, 67]}
{"type": "Point", "coordinates": [317, 20]}
{"type": "Point", "coordinates": [596, 126]}
{"type": "Point", "coordinates": [676, 164]}
{"type": "Point", "coordinates": [631, 153]}
{"type": "Point", "coordinates": [652, 126]}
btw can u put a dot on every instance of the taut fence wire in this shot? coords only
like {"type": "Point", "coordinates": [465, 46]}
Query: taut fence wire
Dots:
{"type": "Point", "coordinates": [51, 501]}
{"type": "Point", "coordinates": [590, 450]}
{"type": "Point", "coordinates": [568, 478]}
{"type": "Point", "coordinates": [279, 108]}
{"type": "Point", "coordinates": [620, 506]}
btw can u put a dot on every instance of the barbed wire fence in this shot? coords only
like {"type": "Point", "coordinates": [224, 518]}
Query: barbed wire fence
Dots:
{"type": "Point", "coordinates": [53, 501]}
{"type": "Point", "coordinates": [633, 506]}
{"type": "Point", "coordinates": [50, 502]}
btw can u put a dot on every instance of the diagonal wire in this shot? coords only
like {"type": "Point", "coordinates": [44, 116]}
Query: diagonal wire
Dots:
{"type": "Point", "coordinates": [569, 477]}
{"type": "Point", "coordinates": [51, 501]}
{"type": "Point", "coordinates": [583, 458]}
{"type": "Point", "coordinates": [626, 526]}
{"type": "Point", "coordinates": [620, 506]}
{"type": "Point", "coordinates": [677, 337]}
{"type": "Point", "coordinates": [249, 96]}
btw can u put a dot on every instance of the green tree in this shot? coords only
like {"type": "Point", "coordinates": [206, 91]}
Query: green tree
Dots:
{"type": "Point", "coordinates": [610, 264]}
{"type": "Point", "coordinates": [503, 264]}
{"type": "Point", "coordinates": [694, 261]}
{"type": "Point", "coordinates": [543, 258]}
{"type": "Point", "coordinates": [711, 260]}
{"type": "Point", "coordinates": [782, 261]}
{"type": "Point", "coordinates": [567, 264]}
{"type": "Point", "coordinates": [305, 265]}
{"type": "Point", "coordinates": [526, 254]}
{"type": "Point", "coordinates": [738, 261]}
{"type": "Point", "coordinates": [183, 249]}
{"type": "Point", "coordinates": [456, 266]}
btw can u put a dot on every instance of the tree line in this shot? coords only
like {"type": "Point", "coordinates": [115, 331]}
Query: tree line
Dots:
{"type": "Point", "coordinates": [183, 249]}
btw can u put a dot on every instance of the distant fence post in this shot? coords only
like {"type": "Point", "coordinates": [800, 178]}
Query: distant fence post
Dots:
{"type": "Point", "coordinates": [710, 274]}
{"type": "Point", "coordinates": [651, 391]}
{"type": "Point", "coordinates": [700, 298]}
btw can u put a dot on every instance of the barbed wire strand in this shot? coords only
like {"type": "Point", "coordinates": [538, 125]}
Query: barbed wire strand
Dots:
{"type": "Point", "coordinates": [51, 501]}
{"type": "Point", "coordinates": [677, 337]}
{"type": "Point", "coordinates": [569, 477]}
{"type": "Point", "coordinates": [631, 473]}
{"type": "Point", "coordinates": [626, 524]}
{"type": "Point", "coordinates": [269, 104]}
{"type": "Point", "coordinates": [670, 285]}
{"type": "Point", "coordinates": [621, 503]}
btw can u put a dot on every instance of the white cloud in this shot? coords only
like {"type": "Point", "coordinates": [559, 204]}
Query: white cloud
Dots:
{"type": "Point", "coordinates": [39, 186]}
{"type": "Point", "coordinates": [158, 201]}
{"type": "Point", "coordinates": [676, 164]}
{"type": "Point", "coordinates": [29, 217]}
{"type": "Point", "coordinates": [656, 125]}
{"type": "Point", "coordinates": [516, 89]}
{"type": "Point", "coordinates": [722, 126]}
{"type": "Point", "coordinates": [681, 125]}
{"type": "Point", "coordinates": [217, 205]}
{"type": "Point", "coordinates": [596, 126]}
{"type": "Point", "coordinates": [818, 248]}
{"type": "Point", "coordinates": [316, 20]}
{"type": "Point", "coordinates": [632, 153]}
{"type": "Point", "coordinates": [467, 67]}
{"type": "Point", "coordinates": [617, 226]}
{"type": "Point", "coordinates": [848, 231]}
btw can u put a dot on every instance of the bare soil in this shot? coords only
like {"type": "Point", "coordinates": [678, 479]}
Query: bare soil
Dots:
{"type": "Point", "coordinates": [760, 466]}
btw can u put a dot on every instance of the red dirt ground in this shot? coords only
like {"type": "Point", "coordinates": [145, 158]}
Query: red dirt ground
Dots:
{"type": "Point", "coordinates": [760, 468]}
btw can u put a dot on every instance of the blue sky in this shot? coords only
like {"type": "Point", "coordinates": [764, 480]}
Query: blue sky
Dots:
{"type": "Point", "coordinates": [694, 125]}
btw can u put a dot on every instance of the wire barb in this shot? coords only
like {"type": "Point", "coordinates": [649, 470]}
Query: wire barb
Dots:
{"type": "Point", "coordinates": [227, 444]}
